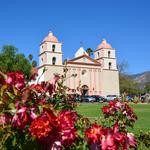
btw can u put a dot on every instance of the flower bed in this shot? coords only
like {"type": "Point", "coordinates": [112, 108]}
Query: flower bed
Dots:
{"type": "Point", "coordinates": [41, 116]}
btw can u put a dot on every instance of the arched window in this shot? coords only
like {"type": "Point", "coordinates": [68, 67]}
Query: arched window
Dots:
{"type": "Point", "coordinates": [109, 54]}
{"type": "Point", "coordinates": [109, 65]}
{"type": "Point", "coordinates": [54, 60]}
{"type": "Point", "coordinates": [53, 47]}
{"type": "Point", "coordinates": [98, 54]}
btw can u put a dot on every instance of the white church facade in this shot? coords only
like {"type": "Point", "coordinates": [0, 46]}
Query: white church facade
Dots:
{"type": "Point", "coordinates": [94, 76]}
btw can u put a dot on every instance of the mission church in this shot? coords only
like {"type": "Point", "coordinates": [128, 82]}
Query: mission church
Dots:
{"type": "Point", "coordinates": [95, 76]}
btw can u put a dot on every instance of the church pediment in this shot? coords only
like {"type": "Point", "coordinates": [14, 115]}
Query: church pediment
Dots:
{"type": "Point", "coordinates": [84, 59]}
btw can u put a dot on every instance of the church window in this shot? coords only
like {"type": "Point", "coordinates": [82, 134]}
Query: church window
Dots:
{"type": "Point", "coordinates": [83, 72]}
{"type": "Point", "coordinates": [109, 54]}
{"type": "Point", "coordinates": [109, 65]}
{"type": "Point", "coordinates": [54, 60]}
{"type": "Point", "coordinates": [53, 48]}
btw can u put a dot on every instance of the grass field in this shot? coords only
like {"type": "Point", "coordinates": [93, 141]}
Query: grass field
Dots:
{"type": "Point", "coordinates": [93, 111]}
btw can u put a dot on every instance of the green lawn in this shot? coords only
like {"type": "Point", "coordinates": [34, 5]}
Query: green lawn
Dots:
{"type": "Point", "coordinates": [93, 111]}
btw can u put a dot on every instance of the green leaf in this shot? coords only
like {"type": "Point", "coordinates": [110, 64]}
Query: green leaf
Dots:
{"type": "Point", "coordinates": [40, 108]}
{"type": "Point", "coordinates": [10, 95]}
{"type": "Point", "coordinates": [12, 108]}
{"type": "Point", "coordinates": [3, 88]}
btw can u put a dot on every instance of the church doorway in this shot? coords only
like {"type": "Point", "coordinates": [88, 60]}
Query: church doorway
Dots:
{"type": "Point", "coordinates": [85, 90]}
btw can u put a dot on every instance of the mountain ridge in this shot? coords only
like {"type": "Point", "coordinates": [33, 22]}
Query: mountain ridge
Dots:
{"type": "Point", "coordinates": [141, 78]}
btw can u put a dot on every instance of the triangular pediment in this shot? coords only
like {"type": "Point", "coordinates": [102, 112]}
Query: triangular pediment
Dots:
{"type": "Point", "coordinates": [84, 59]}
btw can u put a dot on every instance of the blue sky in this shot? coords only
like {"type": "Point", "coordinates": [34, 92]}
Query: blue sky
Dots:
{"type": "Point", "coordinates": [124, 23]}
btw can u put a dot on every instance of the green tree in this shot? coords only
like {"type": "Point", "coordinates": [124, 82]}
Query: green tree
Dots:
{"type": "Point", "coordinates": [126, 83]}
{"type": "Point", "coordinates": [10, 60]}
{"type": "Point", "coordinates": [89, 51]}
{"type": "Point", "coordinates": [147, 88]}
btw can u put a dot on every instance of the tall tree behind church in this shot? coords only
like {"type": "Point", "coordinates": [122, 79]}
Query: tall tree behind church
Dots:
{"type": "Point", "coordinates": [10, 60]}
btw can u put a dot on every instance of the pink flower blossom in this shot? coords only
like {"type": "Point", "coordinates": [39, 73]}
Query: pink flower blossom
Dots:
{"type": "Point", "coordinates": [56, 145]}
{"type": "Point", "coordinates": [5, 119]}
{"type": "Point", "coordinates": [21, 118]}
{"type": "Point", "coordinates": [66, 122]}
{"type": "Point", "coordinates": [16, 79]}
{"type": "Point", "coordinates": [108, 141]}
{"type": "Point", "coordinates": [32, 113]}
{"type": "Point", "coordinates": [68, 136]}
{"type": "Point", "coordinates": [54, 80]}
{"type": "Point", "coordinates": [131, 140]}
{"type": "Point", "coordinates": [67, 119]}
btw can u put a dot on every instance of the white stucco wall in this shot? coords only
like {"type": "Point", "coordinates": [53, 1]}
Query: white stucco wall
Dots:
{"type": "Point", "coordinates": [91, 77]}
{"type": "Point", "coordinates": [107, 61]}
{"type": "Point", "coordinates": [40, 77]}
{"type": "Point", "coordinates": [110, 83]}
{"type": "Point", "coordinates": [51, 70]}
{"type": "Point", "coordinates": [58, 57]}
{"type": "Point", "coordinates": [104, 53]}
{"type": "Point", "coordinates": [47, 54]}
{"type": "Point", "coordinates": [47, 46]}
{"type": "Point", "coordinates": [100, 82]}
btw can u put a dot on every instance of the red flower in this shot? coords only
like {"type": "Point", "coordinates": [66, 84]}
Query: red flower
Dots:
{"type": "Point", "coordinates": [43, 125]}
{"type": "Point", "coordinates": [106, 109]}
{"type": "Point", "coordinates": [108, 138]}
{"type": "Point", "coordinates": [112, 103]}
{"type": "Point", "coordinates": [37, 87]}
{"type": "Point", "coordinates": [40, 128]}
{"type": "Point", "coordinates": [66, 119]}
{"type": "Point", "coordinates": [16, 79]}
{"type": "Point", "coordinates": [94, 133]}
{"type": "Point", "coordinates": [66, 122]}
{"type": "Point", "coordinates": [68, 136]}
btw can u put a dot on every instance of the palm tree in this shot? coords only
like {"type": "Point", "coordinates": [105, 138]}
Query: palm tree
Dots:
{"type": "Point", "coordinates": [89, 51]}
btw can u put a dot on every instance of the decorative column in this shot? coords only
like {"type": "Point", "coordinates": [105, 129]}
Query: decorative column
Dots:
{"type": "Point", "coordinates": [99, 83]}
{"type": "Point", "coordinates": [94, 81]}
{"type": "Point", "coordinates": [74, 80]}
{"type": "Point", "coordinates": [90, 88]}
{"type": "Point", "coordinates": [79, 80]}
{"type": "Point", "coordinates": [103, 58]}
{"type": "Point", "coordinates": [69, 69]}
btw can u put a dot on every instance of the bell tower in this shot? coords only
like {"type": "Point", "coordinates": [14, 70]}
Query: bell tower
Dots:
{"type": "Point", "coordinates": [50, 51]}
{"type": "Point", "coordinates": [105, 54]}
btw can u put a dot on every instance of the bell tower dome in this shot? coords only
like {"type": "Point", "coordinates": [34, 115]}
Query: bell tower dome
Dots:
{"type": "Point", "coordinates": [50, 51]}
{"type": "Point", "coordinates": [105, 54]}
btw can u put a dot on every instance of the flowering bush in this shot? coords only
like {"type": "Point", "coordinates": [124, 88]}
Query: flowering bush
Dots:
{"type": "Point", "coordinates": [41, 116]}
{"type": "Point", "coordinates": [104, 138]}
{"type": "Point", "coordinates": [120, 112]}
